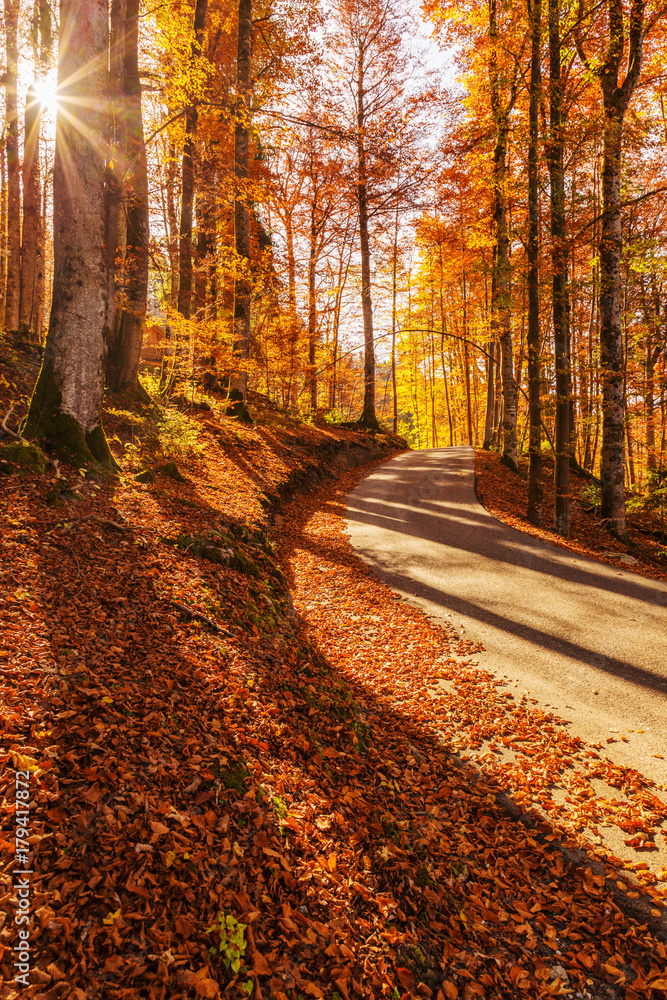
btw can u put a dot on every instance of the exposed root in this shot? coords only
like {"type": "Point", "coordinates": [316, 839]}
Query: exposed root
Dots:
{"type": "Point", "coordinates": [7, 430]}
{"type": "Point", "coordinates": [191, 613]}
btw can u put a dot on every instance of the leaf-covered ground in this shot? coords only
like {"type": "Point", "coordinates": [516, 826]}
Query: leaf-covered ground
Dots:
{"type": "Point", "coordinates": [505, 495]}
{"type": "Point", "coordinates": [241, 789]}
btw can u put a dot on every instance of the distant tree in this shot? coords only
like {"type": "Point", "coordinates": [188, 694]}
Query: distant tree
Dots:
{"type": "Point", "coordinates": [371, 110]}
{"type": "Point", "coordinates": [32, 241]}
{"type": "Point", "coordinates": [13, 292]}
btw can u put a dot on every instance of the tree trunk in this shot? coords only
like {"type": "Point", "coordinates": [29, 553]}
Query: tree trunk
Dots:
{"type": "Point", "coordinates": [13, 292]}
{"type": "Point", "coordinates": [394, 295]}
{"type": "Point", "coordinates": [560, 279]}
{"type": "Point", "coordinates": [125, 348]}
{"type": "Point", "coordinates": [312, 307]}
{"type": "Point", "coordinates": [172, 219]}
{"type": "Point", "coordinates": [242, 286]}
{"type": "Point", "coordinates": [612, 467]}
{"type": "Point", "coordinates": [615, 101]}
{"type": "Point", "coordinates": [368, 416]}
{"type": "Point", "coordinates": [500, 305]}
{"type": "Point", "coordinates": [293, 333]}
{"type": "Point", "coordinates": [65, 410]}
{"type": "Point", "coordinates": [188, 177]}
{"type": "Point", "coordinates": [466, 360]}
{"type": "Point", "coordinates": [535, 512]}
{"type": "Point", "coordinates": [32, 264]}
{"type": "Point", "coordinates": [3, 230]}
{"type": "Point", "coordinates": [490, 370]}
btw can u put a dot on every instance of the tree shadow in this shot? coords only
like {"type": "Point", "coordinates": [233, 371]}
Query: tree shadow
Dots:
{"type": "Point", "coordinates": [190, 775]}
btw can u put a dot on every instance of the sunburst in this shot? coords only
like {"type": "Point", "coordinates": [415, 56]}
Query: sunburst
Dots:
{"type": "Point", "coordinates": [45, 91]}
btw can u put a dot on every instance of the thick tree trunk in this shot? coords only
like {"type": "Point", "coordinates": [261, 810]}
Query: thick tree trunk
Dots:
{"type": "Point", "coordinates": [242, 285]}
{"type": "Point", "coordinates": [500, 305]}
{"type": "Point", "coordinates": [560, 279]}
{"type": "Point", "coordinates": [3, 231]}
{"type": "Point", "coordinates": [535, 512]}
{"type": "Point", "coordinates": [65, 410]}
{"type": "Point", "coordinates": [13, 288]}
{"type": "Point", "coordinates": [185, 281]}
{"type": "Point", "coordinates": [368, 416]}
{"type": "Point", "coordinates": [612, 467]}
{"type": "Point", "coordinates": [125, 349]}
{"type": "Point", "coordinates": [615, 101]}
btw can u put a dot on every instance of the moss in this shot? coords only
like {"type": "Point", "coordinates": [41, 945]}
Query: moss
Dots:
{"type": "Point", "coordinates": [59, 432]}
{"type": "Point", "coordinates": [245, 565]}
{"type": "Point", "coordinates": [99, 448]}
{"type": "Point", "coordinates": [28, 457]}
{"type": "Point", "coordinates": [171, 469]}
{"type": "Point", "coordinates": [234, 777]}
{"type": "Point", "coordinates": [147, 476]}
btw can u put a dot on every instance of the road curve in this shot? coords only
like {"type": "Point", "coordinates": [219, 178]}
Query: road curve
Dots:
{"type": "Point", "coordinates": [561, 625]}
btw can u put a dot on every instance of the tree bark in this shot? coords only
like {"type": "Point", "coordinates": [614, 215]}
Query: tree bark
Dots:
{"type": "Point", "coordinates": [535, 512]}
{"type": "Point", "coordinates": [3, 230]}
{"type": "Point", "coordinates": [65, 410]}
{"type": "Point", "coordinates": [312, 304]}
{"type": "Point", "coordinates": [293, 333]}
{"type": "Point", "coordinates": [185, 281]}
{"type": "Point", "coordinates": [32, 264]}
{"type": "Point", "coordinates": [368, 417]}
{"type": "Point", "coordinates": [500, 306]}
{"type": "Point", "coordinates": [490, 370]}
{"type": "Point", "coordinates": [560, 287]}
{"type": "Point", "coordinates": [125, 348]}
{"type": "Point", "coordinates": [13, 290]}
{"type": "Point", "coordinates": [616, 99]}
{"type": "Point", "coordinates": [242, 285]}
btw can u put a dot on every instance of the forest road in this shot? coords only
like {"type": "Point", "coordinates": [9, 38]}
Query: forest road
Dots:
{"type": "Point", "coordinates": [587, 639]}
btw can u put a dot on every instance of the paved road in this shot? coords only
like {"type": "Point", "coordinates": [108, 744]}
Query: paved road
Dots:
{"type": "Point", "coordinates": [561, 625]}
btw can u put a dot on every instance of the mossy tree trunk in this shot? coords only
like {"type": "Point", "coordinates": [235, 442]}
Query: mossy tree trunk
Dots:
{"type": "Point", "coordinates": [65, 410]}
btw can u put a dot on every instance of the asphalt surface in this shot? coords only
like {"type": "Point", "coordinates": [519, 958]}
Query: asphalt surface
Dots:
{"type": "Point", "coordinates": [588, 640]}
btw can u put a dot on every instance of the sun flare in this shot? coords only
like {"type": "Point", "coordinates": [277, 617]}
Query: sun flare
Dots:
{"type": "Point", "coordinates": [46, 93]}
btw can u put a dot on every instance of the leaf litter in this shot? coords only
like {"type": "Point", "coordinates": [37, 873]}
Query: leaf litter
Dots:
{"type": "Point", "coordinates": [280, 807]}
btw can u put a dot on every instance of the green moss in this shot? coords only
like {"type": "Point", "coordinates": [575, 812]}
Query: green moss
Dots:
{"type": "Point", "coordinates": [147, 476]}
{"type": "Point", "coordinates": [27, 457]}
{"type": "Point", "coordinates": [245, 565]}
{"type": "Point", "coordinates": [59, 432]}
{"type": "Point", "coordinates": [234, 777]}
{"type": "Point", "coordinates": [171, 469]}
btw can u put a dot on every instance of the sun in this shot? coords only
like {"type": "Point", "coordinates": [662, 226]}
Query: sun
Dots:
{"type": "Point", "coordinates": [46, 93]}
